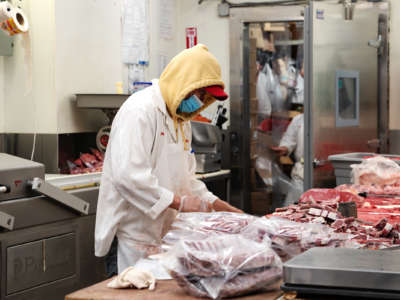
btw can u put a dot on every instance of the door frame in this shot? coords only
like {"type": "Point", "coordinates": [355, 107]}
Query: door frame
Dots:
{"type": "Point", "coordinates": [239, 82]}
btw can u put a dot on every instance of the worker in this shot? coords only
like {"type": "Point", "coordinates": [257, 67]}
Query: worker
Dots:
{"type": "Point", "coordinates": [148, 174]}
{"type": "Point", "coordinates": [293, 141]}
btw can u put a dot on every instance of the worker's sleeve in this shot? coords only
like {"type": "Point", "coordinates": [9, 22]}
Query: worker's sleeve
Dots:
{"type": "Point", "coordinates": [199, 188]}
{"type": "Point", "coordinates": [264, 102]}
{"type": "Point", "coordinates": [289, 139]}
{"type": "Point", "coordinates": [131, 144]}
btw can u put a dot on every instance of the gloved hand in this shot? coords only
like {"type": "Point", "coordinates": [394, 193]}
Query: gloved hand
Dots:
{"type": "Point", "coordinates": [194, 204]}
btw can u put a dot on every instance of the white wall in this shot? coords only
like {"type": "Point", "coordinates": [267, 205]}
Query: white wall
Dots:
{"type": "Point", "coordinates": [87, 58]}
{"type": "Point", "coordinates": [160, 46]}
{"type": "Point", "coordinates": [30, 102]}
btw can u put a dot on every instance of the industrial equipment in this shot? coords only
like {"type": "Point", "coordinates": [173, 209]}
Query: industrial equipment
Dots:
{"type": "Point", "coordinates": [206, 144]}
{"type": "Point", "coordinates": [46, 235]}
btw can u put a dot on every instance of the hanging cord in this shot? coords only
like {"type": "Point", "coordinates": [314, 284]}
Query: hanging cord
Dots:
{"type": "Point", "coordinates": [33, 146]}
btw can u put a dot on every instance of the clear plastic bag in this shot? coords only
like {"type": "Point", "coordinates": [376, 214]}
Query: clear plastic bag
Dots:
{"type": "Point", "coordinates": [223, 266]}
{"type": "Point", "coordinates": [289, 239]}
{"type": "Point", "coordinates": [198, 226]}
{"type": "Point", "coordinates": [377, 170]}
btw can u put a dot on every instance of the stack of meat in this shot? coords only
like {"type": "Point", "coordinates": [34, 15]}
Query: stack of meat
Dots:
{"type": "Point", "coordinates": [320, 205]}
{"type": "Point", "coordinates": [225, 265]}
{"type": "Point", "coordinates": [224, 254]}
{"type": "Point", "coordinates": [380, 202]}
{"type": "Point", "coordinates": [87, 163]}
{"type": "Point", "coordinates": [377, 170]}
{"type": "Point", "coordinates": [317, 206]}
{"type": "Point", "coordinates": [289, 238]}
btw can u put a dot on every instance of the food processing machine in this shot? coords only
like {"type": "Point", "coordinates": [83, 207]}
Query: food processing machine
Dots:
{"type": "Point", "coordinates": [46, 233]}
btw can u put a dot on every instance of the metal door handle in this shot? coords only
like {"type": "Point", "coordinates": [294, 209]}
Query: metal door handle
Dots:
{"type": "Point", "coordinates": [376, 43]}
{"type": "Point", "coordinates": [374, 143]}
{"type": "Point", "coordinates": [59, 195]}
{"type": "Point", "coordinates": [319, 163]}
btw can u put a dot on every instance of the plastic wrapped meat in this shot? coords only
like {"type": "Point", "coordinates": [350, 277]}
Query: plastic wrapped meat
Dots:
{"type": "Point", "coordinates": [289, 239]}
{"type": "Point", "coordinates": [224, 266]}
{"type": "Point", "coordinates": [201, 225]}
{"type": "Point", "coordinates": [377, 170]}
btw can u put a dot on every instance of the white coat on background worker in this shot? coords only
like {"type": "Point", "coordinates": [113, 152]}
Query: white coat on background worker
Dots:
{"type": "Point", "coordinates": [293, 141]}
{"type": "Point", "coordinates": [148, 172]}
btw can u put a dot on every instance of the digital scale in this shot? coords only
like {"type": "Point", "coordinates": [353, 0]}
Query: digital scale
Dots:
{"type": "Point", "coordinates": [344, 272]}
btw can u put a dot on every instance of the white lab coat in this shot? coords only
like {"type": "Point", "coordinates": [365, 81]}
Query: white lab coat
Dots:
{"type": "Point", "coordinates": [298, 97]}
{"type": "Point", "coordinates": [264, 101]}
{"type": "Point", "coordinates": [145, 165]}
{"type": "Point", "coordinates": [293, 139]}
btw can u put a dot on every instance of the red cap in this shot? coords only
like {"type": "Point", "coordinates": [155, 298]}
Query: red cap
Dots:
{"type": "Point", "coordinates": [217, 92]}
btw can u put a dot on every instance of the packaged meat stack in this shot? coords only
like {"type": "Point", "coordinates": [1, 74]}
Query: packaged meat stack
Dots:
{"type": "Point", "coordinates": [223, 266]}
{"type": "Point", "coordinates": [377, 170]}
{"type": "Point", "coordinates": [289, 239]}
{"type": "Point", "coordinates": [202, 225]}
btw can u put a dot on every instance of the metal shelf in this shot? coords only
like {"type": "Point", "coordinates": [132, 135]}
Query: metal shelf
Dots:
{"type": "Point", "coordinates": [289, 43]}
{"type": "Point", "coordinates": [100, 100]}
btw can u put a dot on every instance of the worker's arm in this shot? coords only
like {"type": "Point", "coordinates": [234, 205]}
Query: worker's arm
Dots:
{"type": "Point", "coordinates": [176, 202]}
{"type": "Point", "coordinates": [282, 151]}
{"type": "Point", "coordinates": [289, 139]}
{"type": "Point", "coordinates": [220, 205]}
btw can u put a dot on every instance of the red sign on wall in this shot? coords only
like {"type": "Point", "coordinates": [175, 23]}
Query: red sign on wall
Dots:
{"type": "Point", "coordinates": [191, 37]}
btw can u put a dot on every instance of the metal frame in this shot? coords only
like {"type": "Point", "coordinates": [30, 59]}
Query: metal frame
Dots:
{"type": "Point", "coordinates": [308, 88]}
{"type": "Point", "coordinates": [59, 195]}
{"type": "Point", "coordinates": [238, 45]}
{"type": "Point", "coordinates": [383, 67]}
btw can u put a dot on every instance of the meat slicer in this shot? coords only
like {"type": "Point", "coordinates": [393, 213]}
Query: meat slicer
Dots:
{"type": "Point", "coordinates": [206, 144]}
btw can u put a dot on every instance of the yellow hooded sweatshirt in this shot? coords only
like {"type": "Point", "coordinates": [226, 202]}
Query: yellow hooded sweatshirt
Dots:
{"type": "Point", "coordinates": [191, 69]}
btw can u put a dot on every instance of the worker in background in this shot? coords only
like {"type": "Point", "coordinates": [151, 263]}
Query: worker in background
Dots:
{"type": "Point", "coordinates": [149, 168]}
{"type": "Point", "coordinates": [293, 141]}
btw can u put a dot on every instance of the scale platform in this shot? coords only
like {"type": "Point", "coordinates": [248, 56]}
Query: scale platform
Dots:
{"type": "Point", "coordinates": [344, 272]}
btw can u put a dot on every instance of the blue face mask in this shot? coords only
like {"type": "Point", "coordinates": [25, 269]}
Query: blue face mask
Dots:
{"type": "Point", "coordinates": [190, 105]}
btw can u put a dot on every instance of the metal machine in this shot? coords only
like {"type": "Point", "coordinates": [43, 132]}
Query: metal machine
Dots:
{"type": "Point", "coordinates": [46, 236]}
{"type": "Point", "coordinates": [329, 58]}
{"type": "Point", "coordinates": [206, 144]}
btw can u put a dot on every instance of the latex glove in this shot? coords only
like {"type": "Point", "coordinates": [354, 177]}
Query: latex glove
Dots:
{"type": "Point", "coordinates": [133, 277]}
{"type": "Point", "coordinates": [194, 204]}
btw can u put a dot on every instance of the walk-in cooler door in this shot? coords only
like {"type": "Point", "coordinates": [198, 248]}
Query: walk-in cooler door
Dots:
{"type": "Point", "coordinates": [342, 45]}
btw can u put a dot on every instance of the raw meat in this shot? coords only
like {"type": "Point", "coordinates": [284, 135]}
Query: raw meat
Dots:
{"type": "Point", "coordinates": [377, 170]}
{"type": "Point", "coordinates": [289, 238]}
{"type": "Point", "coordinates": [224, 265]}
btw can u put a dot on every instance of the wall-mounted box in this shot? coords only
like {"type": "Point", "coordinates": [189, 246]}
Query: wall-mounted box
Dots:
{"type": "Point", "coordinates": [6, 44]}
